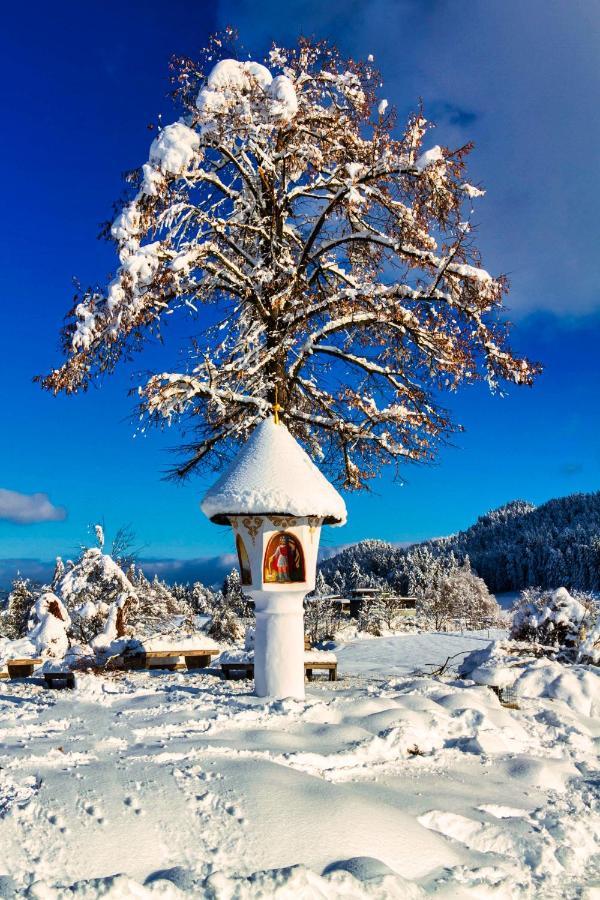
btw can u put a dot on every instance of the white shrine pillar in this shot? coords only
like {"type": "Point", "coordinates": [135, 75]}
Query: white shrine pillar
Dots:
{"type": "Point", "coordinates": [279, 645]}
{"type": "Point", "coordinates": [276, 501]}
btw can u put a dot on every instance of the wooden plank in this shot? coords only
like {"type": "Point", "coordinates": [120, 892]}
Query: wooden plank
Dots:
{"type": "Point", "coordinates": [320, 665]}
{"type": "Point", "coordinates": [18, 662]}
{"type": "Point", "coordinates": [179, 651]}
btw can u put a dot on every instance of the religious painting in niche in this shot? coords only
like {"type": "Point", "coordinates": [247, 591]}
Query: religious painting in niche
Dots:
{"type": "Point", "coordinates": [284, 559]}
{"type": "Point", "coordinates": [244, 561]}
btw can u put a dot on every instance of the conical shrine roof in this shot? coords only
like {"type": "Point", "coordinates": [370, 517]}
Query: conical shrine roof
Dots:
{"type": "Point", "coordinates": [272, 474]}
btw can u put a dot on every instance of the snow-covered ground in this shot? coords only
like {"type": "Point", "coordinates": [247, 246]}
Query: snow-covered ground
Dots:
{"type": "Point", "coordinates": [383, 784]}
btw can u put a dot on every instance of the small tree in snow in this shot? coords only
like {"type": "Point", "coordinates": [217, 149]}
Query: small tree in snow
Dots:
{"type": "Point", "coordinates": [225, 623]}
{"type": "Point", "coordinates": [14, 620]}
{"type": "Point", "coordinates": [321, 617]}
{"type": "Point", "coordinates": [336, 247]}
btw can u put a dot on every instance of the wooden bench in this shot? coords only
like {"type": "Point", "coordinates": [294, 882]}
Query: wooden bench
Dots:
{"type": "Point", "coordinates": [59, 680]}
{"type": "Point", "coordinates": [22, 668]}
{"type": "Point", "coordinates": [169, 659]}
{"type": "Point", "coordinates": [330, 667]}
{"type": "Point", "coordinates": [246, 669]}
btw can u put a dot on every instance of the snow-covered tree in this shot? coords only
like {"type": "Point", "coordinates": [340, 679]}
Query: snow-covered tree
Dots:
{"type": "Point", "coordinates": [155, 609]}
{"type": "Point", "coordinates": [59, 571]}
{"type": "Point", "coordinates": [336, 247]}
{"type": "Point", "coordinates": [200, 597]}
{"type": "Point", "coordinates": [448, 590]}
{"type": "Point", "coordinates": [225, 624]}
{"type": "Point", "coordinates": [90, 588]}
{"type": "Point", "coordinates": [14, 620]}
{"type": "Point", "coordinates": [321, 617]}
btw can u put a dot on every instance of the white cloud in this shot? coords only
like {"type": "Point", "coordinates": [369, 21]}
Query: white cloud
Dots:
{"type": "Point", "coordinates": [24, 509]}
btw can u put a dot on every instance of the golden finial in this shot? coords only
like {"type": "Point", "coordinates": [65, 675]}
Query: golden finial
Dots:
{"type": "Point", "coordinates": [276, 408]}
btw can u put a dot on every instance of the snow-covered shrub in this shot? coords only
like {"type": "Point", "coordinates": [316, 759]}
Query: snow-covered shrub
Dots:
{"type": "Point", "coordinates": [49, 624]}
{"type": "Point", "coordinates": [524, 668]}
{"type": "Point", "coordinates": [589, 649]}
{"type": "Point", "coordinates": [553, 618]}
{"type": "Point", "coordinates": [89, 589]}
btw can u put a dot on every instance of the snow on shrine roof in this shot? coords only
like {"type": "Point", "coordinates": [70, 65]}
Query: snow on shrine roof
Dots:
{"type": "Point", "coordinates": [272, 474]}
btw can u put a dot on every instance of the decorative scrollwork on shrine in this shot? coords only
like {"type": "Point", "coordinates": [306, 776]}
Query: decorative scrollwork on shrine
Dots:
{"type": "Point", "coordinates": [313, 524]}
{"type": "Point", "coordinates": [252, 524]}
{"type": "Point", "coordinates": [284, 522]}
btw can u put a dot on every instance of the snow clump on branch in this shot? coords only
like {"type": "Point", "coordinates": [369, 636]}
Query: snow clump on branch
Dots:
{"type": "Point", "coordinates": [230, 84]}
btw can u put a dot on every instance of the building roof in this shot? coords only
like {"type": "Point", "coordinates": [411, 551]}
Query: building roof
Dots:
{"type": "Point", "coordinates": [272, 474]}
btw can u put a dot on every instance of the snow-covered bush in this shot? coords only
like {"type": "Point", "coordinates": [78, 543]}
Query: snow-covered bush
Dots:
{"type": "Point", "coordinates": [48, 626]}
{"type": "Point", "coordinates": [589, 649]}
{"type": "Point", "coordinates": [225, 624]}
{"type": "Point", "coordinates": [155, 609]}
{"type": "Point", "coordinates": [553, 618]}
{"type": "Point", "coordinates": [526, 670]}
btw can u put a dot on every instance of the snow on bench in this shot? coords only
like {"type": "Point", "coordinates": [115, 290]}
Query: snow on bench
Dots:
{"type": "Point", "coordinates": [156, 653]}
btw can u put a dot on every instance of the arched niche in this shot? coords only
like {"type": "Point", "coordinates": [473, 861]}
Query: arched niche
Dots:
{"type": "Point", "coordinates": [244, 560]}
{"type": "Point", "coordinates": [284, 560]}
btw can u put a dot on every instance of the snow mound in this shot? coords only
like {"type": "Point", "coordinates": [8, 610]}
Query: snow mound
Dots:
{"type": "Point", "coordinates": [589, 650]}
{"type": "Point", "coordinates": [20, 649]}
{"type": "Point", "coordinates": [273, 474]}
{"type": "Point", "coordinates": [529, 676]}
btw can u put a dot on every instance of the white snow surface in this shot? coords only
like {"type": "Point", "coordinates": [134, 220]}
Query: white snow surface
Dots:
{"type": "Point", "coordinates": [273, 474]}
{"type": "Point", "coordinates": [530, 675]}
{"type": "Point", "coordinates": [381, 785]}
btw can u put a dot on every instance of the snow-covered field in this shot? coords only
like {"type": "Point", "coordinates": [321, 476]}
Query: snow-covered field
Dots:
{"type": "Point", "coordinates": [383, 784]}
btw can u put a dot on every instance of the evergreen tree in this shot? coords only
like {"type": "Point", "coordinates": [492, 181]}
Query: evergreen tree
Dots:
{"type": "Point", "coordinates": [14, 620]}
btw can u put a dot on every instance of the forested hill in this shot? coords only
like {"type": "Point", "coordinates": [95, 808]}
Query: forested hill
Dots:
{"type": "Point", "coordinates": [515, 546]}
{"type": "Point", "coordinates": [520, 545]}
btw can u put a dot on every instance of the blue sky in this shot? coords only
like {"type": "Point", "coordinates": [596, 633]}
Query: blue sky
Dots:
{"type": "Point", "coordinates": [82, 82]}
